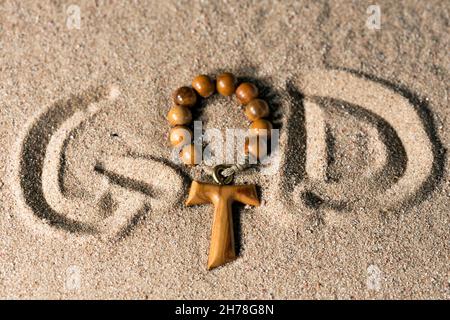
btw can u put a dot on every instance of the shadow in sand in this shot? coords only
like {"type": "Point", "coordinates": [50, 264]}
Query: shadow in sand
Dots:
{"type": "Point", "coordinates": [124, 182]}
{"type": "Point", "coordinates": [396, 155]}
{"type": "Point", "coordinates": [294, 163]}
{"type": "Point", "coordinates": [33, 154]}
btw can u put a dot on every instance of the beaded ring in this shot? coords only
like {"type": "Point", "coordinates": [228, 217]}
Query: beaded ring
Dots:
{"type": "Point", "coordinates": [185, 98]}
{"type": "Point", "coordinates": [221, 195]}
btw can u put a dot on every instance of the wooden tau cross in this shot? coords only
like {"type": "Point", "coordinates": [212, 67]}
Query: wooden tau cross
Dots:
{"type": "Point", "coordinates": [222, 248]}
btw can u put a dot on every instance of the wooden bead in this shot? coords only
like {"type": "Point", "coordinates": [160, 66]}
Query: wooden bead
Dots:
{"type": "Point", "coordinates": [256, 109]}
{"type": "Point", "coordinates": [203, 85]}
{"type": "Point", "coordinates": [226, 84]}
{"type": "Point", "coordinates": [261, 128]}
{"type": "Point", "coordinates": [185, 96]}
{"type": "Point", "coordinates": [180, 135]}
{"type": "Point", "coordinates": [246, 92]}
{"type": "Point", "coordinates": [256, 148]}
{"type": "Point", "coordinates": [179, 115]}
{"type": "Point", "coordinates": [191, 155]}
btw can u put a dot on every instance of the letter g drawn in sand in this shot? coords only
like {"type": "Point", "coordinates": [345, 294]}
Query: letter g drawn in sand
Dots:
{"type": "Point", "coordinates": [39, 164]}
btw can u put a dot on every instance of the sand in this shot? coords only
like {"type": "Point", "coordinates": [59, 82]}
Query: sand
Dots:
{"type": "Point", "coordinates": [92, 206]}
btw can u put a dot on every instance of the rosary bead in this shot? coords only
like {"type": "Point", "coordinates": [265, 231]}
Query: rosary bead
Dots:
{"type": "Point", "coordinates": [180, 135]}
{"type": "Point", "coordinates": [185, 96]}
{"type": "Point", "coordinates": [226, 84]}
{"type": "Point", "coordinates": [203, 85]}
{"type": "Point", "coordinates": [256, 147]}
{"type": "Point", "coordinates": [179, 115]}
{"type": "Point", "coordinates": [246, 92]}
{"type": "Point", "coordinates": [256, 109]}
{"type": "Point", "coordinates": [191, 155]}
{"type": "Point", "coordinates": [261, 128]}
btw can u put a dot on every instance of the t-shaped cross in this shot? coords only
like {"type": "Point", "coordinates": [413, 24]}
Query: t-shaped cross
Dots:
{"type": "Point", "coordinates": [222, 248]}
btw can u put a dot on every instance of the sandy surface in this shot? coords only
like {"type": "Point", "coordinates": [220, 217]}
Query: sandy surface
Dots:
{"type": "Point", "coordinates": [92, 207]}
